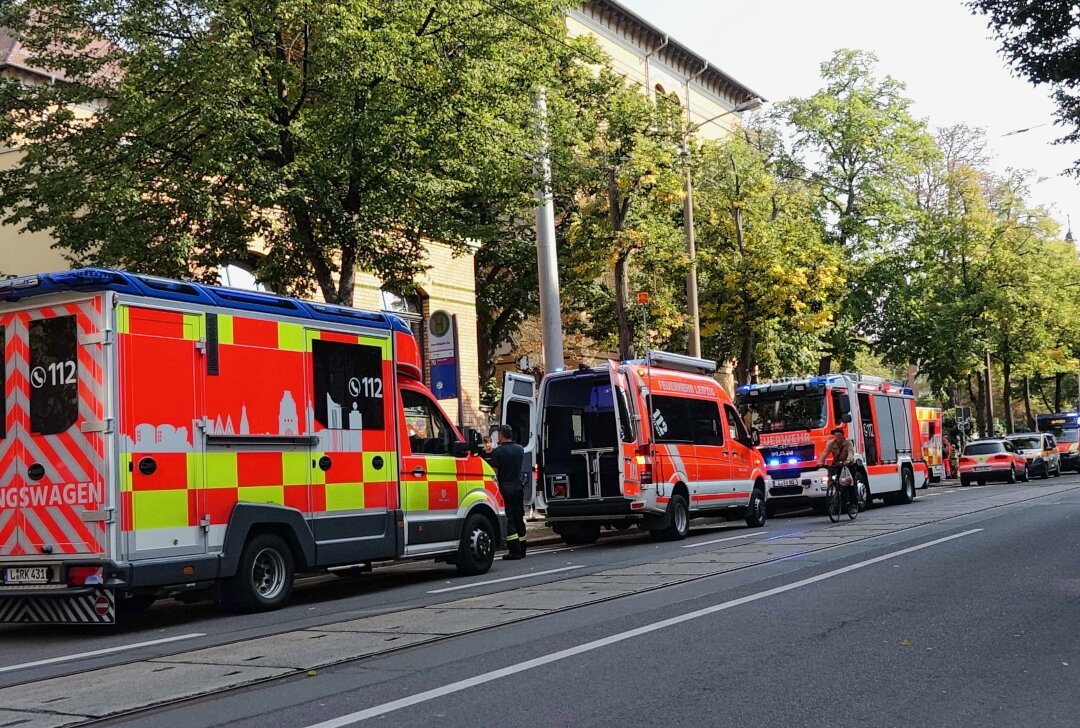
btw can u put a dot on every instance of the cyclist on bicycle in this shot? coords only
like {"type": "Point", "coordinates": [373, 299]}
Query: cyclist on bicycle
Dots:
{"type": "Point", "coordinates": [843, 453]}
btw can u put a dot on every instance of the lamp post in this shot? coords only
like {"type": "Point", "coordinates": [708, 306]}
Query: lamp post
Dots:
{"type": "Point", "coordinates": [694, 344]}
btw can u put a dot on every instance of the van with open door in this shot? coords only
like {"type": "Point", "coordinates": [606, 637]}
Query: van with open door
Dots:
{"type": "Point", "coordinates": [653, 442]}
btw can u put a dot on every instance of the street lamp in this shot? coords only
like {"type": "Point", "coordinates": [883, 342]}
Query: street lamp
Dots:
{"type": "Point", "coordinates": [688, 224]}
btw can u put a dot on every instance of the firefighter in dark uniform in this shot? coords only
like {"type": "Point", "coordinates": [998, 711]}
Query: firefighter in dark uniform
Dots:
{"type": "Point", "coordinates": [506, 459]}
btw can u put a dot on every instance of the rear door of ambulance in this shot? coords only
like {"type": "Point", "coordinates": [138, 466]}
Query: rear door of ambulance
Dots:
{"type": "Point", "coordinates": [54, 504]}
{"type": "Point", "coordinates": [519, 411]}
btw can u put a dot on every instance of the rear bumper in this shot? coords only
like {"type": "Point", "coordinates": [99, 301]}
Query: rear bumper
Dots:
{"type": "Point", "coordinates": [77, 605]}
{"type": "Point", "coordinates": [1070, 461]}
{"type": "Point", "coordinates": [995, 474]}
{"type": "Point", "coordinates": [617, 508]}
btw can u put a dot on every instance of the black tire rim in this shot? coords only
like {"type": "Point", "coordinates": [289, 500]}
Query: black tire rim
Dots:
{"type": "Point", "coordinates": [268, 574]}
{"type": "Point", "coordinates": [480, 545]}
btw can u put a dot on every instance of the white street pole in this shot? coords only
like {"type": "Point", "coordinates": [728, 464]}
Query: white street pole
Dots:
{"type": "Point", "coordinates": [547, 262]}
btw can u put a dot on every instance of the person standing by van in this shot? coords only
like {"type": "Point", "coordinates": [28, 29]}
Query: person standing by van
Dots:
{"type": "Point", "coordinates": [506, 459]}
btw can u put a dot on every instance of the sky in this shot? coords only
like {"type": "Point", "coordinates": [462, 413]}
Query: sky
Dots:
{"type": "Point", "coordinates": [938, 48]}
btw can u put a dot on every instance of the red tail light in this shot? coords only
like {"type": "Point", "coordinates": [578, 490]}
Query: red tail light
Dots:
{"type": "Point", "coordinates": [1001, 456]}
{"type": "Point", "coordinates": [644, 463]}
{"type": "Point", "coordinates": [966, 461]}
{"type": "Point", "coordinates": [85, 575]}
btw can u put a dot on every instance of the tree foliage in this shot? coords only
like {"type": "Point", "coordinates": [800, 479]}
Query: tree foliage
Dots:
{"type": "Point", "coordinates": [337, 135]}
{"type": "Point", "coordinates": [1041, 42]}
{"type": "Point", "coordinates": [768, 280]}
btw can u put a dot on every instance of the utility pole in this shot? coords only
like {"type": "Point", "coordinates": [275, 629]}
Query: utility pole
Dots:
{"type": "Point", "coordinates": [547, 262]}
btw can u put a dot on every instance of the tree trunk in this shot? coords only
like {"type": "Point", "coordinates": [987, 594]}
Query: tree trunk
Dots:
{"type": "Point", "coordinates": [744, 370]}
{"type": "Point", "coordinates": [622, 306]}
{"type": "Point", "coordinates": [1006, 394]}
{"type": "Point", "coordinates": [988, 395]}
{"type": "Point", "coordinates": [1042, 393]}
{"type": "Point", "coordinates": [824, 364]}
{"type": "Point", "coordinates": [1027, 404]}
{"type": "Point", "coordinates": [1057, 391]}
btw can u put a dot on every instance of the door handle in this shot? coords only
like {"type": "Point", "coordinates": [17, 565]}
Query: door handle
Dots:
{"type": "Point", "coordinates": [418, 472]}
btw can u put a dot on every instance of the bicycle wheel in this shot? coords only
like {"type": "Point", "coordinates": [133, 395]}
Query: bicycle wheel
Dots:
{"type": "Point", "coordinates": [832, 502]}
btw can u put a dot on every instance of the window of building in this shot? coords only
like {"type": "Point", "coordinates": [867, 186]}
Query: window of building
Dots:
{"type": "Point", "coordinates": [242, 276]}
{"type": "Point", "coordinates": [410, 308]}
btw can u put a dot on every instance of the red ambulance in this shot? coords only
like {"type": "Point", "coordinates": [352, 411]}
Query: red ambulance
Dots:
{"type": "Point", "coordinates": [168, 439]}
{"type": "Point", "coordinates": [654, 442]}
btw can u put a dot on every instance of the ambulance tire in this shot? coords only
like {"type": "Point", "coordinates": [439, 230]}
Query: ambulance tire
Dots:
{"type": "Point", "coordinates": [678, 521]}
{"type": "Point", "coordinates": [476, 552]}
{"type": "Point", "coordinates": [264, 579]}
{"type": "Point", "coordinates": [756, 513]}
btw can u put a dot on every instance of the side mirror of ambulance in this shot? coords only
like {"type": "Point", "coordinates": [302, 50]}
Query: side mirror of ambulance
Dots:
{"type": "Point", "coordinates": [474, 442]}
{"type": "Point", "coordinates": [755, 437]}
{"type": "Point", "coordinates": [846, 417]}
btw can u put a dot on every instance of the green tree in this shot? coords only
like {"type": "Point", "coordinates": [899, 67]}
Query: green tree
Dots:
{"type": "Point", "coordinates": [337, 135]}
{"type": "Point", "coordinates": [1040, 40]}
{"type": "Point", "coordinates": [622, 231]}
{"type": "Point", "coordinates": [768, 280]}
{"type": "Point", "coordinates": [863, 147]}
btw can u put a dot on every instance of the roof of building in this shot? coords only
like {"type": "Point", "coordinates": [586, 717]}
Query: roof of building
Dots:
{"type": "Point", "coordinates": [633, 26]}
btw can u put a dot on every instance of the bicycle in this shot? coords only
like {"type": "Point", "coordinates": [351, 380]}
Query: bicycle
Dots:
{"type": "Point", "coordinates": [838, 496]}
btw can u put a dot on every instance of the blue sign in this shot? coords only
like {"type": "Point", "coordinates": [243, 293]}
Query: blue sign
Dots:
{"type": "Point", "coordinates": [442, 355]}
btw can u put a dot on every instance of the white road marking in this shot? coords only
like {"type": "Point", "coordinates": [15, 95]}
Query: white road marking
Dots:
{"type": "Point", "coordinates": [507, 578]}
{"type": "Point", "coordinates": [378, 710]}
{"type": "Point", "coordinates": [96, 653]}
{"type": "Point", "coordinates": [536, 552]}
{"type": "Point", "coordinates": [721, 540]}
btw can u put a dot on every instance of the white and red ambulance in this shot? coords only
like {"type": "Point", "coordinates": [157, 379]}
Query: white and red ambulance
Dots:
{"type": "Point", "coordinates": [654, 442]}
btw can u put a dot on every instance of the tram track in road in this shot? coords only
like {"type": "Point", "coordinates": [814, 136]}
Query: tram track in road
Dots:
{"type": "Point", "coordinates": [902, 520]}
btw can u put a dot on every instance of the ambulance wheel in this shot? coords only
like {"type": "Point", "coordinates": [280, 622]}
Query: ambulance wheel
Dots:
{"type": "Point", "coordinates": [477, 548]}
{"type": "Point", "coordinates": [264, 580]}
{"type": "Point", "coordinates": [756, 511]}
{"type": "Point", "coordinates": [678, 521]}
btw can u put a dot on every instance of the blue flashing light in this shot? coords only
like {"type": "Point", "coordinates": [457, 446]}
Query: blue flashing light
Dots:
{"type": "Point", "coordinates": [84, 277]}
{"type": "Point", "coordinates": [774, 461]}
{"type": "Point", "coordinates": [793, 461]}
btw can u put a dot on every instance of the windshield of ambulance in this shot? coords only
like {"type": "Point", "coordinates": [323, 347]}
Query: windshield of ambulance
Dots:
{"type": "Point", "coordinates": [1026, 443]}
{"type": "Point", "coordinates": [786, 411]}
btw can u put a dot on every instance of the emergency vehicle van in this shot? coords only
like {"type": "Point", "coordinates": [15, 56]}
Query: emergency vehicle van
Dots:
{"type": "Point", "coordinates": [930, 427]}
{"type": "Point", "coordinates": [654, 442]}
{"type": "Point", "coordinates": [163, 438]}
{"type": "Point", "coordinates": [793, 418]}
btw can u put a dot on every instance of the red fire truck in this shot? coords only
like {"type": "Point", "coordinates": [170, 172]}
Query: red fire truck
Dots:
{"type": "Point", "coordinates": [793, 418]}
{"type": "Point", "coordinates": [163, 438]}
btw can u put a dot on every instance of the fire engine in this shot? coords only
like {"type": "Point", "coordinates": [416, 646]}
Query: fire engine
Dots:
{"type": "Point", "coordinates": [165, 438]}
{"type": "Point", "coordinates": [654, 442]}
{"type": "Point", "coordinates": [793, 419]}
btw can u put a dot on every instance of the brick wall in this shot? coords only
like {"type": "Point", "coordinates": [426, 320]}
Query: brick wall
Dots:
{"type": "Point", "coordinates": [449, 284]}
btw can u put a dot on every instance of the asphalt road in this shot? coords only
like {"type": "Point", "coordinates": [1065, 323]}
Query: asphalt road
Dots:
{"type": "Point", "coordinates": [327, 598]}
{"type": "Point", "coordinates": [966, 621]}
